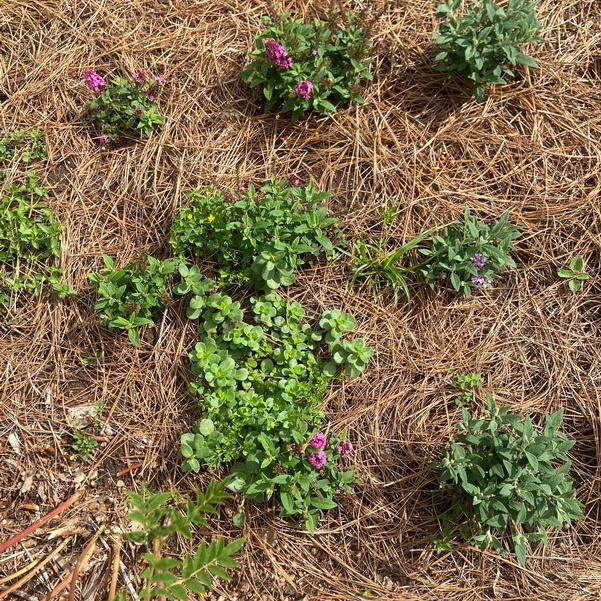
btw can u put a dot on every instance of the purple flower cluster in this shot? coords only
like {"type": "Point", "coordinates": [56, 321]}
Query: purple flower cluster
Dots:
{"type": "Point", "coordinates": [345, 448]}
{"type": "Point", "coordinates": [277, 55]}
{"type": "Point", "coordinates": [304, 89]}
{"type": "Point", "coordinates": [318, 460]}
{"type": "Point", "coordinates": [295, 180]}
{"type": "Point", "coordinates": [479, 260]}
{"type": "Point", "coordinates": [479, 281]}
{"type": "Point", "coordinates": [94, 80]}
{"type": "Point", "coordinates": [319, 441]}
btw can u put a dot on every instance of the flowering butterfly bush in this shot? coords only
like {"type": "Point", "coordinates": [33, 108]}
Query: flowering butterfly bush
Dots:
{"type": "Point", "coordinates": [304, 66]}
{"type": "Point", "coordinates": [123, 108]}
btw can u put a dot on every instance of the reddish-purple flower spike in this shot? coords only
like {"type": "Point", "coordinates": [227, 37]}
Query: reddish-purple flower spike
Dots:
{"type": "Point", "coordinates": [345, 448]}
{"type": "Point", "coordinates": [319, 441]}
{"type": "Point", "coordinates": [94, 80]}
{"type": "Point", "coordinates": [479, 260]}
{"type": "Point", "coordinates": [138, 113]}
{"type": "Point", "coordinates": [277, 55]}
{"type": "Point", "coordinates": [314, 52]}
{"type": "Point", "coordinates": [318, 460]}
{"type": "Point", "coordinates": [228, 196]}
{"type": "Point", "coordinates": [304, 89]}
{"type": "Point", "coordinates": [149, 97]}
{"type": "Point", "coordinates": [139, 77]}
{"type": "Point", "coordinates": [103, 140]}
{"type": "Point", "coordinates": [295, 179]}
{"type": "Point", "coordinates": [160, 81]}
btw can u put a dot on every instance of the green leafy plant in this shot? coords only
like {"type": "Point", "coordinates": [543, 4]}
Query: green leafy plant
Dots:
{"type": "Point", "coordinates": [506, 477]}
{"type": "Point", "coordinates": [29, 242]}
{"type": "Point", "coordinates": [380, 267]}
{"type": "Point", "coordinates": [309, 66]}
{"type": "Point", "coordinates": [261, 236]}
{"type": "Point", "coordinates": [123, 108]}
{"type": "Point", "coordinates": [260, 383]}
{"type": "Point", "coordinates": [574, 273]}
{"type": "Point", "coordinates": [26, 146]}
{"type": "Point", "coordinates": [469, 255]}
{"type": "Point", "coordinates": [160, 516]}
{"type": "Point", "coordinates": [483, 41]}
{"type": "Point", "coordinates": [128, 297]}
{"type": "Point", "coordinates": [83, 445]}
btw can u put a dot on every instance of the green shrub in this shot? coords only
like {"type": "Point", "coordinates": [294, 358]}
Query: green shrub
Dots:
{"type": "Point", "coordinates": [260, 383]}
{"type": "Point", "coordinates": [469, 255]}
{"type": "Point", "coordinates": [261, 236]}
{"type": "Point", "coordinates": [309, 66]}
{"type": "Point", "coordinates": [505, 477]}
{"type": "Point", "coordinates": [128, 297]}
{"type": "Point", "coordinates": [29, 241]}
{"type": "Point", "coordinates": [164, 515]}
{"type": "Point", "coordinates": [483, 42]}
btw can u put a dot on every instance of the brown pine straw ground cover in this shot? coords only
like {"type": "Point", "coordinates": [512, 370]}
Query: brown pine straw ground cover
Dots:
{"type": "Point", "coordinates": [418, 144]}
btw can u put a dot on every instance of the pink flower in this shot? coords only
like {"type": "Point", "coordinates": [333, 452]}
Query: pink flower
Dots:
{"type": "Point", "coordinates": [314, 52]}
{"type": "Point", "coordinates": [304, 89]}
{"type": "Point", "coordinates": [103, 140]}
{"type": "Point", "coordinates": [160, 81]}
{"type": "Point", "coordinates": [277, 55]}
{"type": "Point", "coordinates": [149, 97]}
{"type": "Point", "coordinates": [318, 460]}
{"type": "Point", "coordinates": [228, 196]}
{"type": "Point", "coordinates": [138, 113]}
{"type": "Point", "coordinates": [295, 180]}
{"type": "Point", "coordinates": [318, 441]}
{"type": "Point", "coordinates": [345, 448]}
{"type": "Point", "coordinates": [94, 80]}
{"type": "Point", "coordinates": [139, 77]}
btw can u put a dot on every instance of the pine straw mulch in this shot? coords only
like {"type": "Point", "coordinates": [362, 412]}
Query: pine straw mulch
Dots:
{"type": "Point", "coordinates": [419, 145]}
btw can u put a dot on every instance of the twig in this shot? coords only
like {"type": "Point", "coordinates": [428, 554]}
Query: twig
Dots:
{"type": "Point", "coordinates": [83, 559]}
{"type": "Point", "coordinates": [15, 539]}
{"type": "Point", "coordinates": [115, 572]}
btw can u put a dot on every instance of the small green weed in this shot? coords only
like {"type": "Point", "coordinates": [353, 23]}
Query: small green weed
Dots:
{"type": "Point", "coordinates": [83, 445]}
{"type": "Point", "coordinates": [574, 273]}
{"type": "Point", "coordinates": [26, 146]}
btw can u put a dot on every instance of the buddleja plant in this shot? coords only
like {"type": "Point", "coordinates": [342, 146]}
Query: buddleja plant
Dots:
{"type": "Point", "coordinates": [29, 241]}
{"type": "Point", "coordinates": [128, 297]}
{"type": "Point", "coordinates": [123, 108]}
{"type": "Point", "coordinates": [483, 41]}
{"type": "Point", "coordinates": [508, 478]}
{"type": "Point", "coordinates": [262, 236]}
{"type": "Point", "coordinates": [469, 255]}
{"type": "Point", "coordinates": [164, 515]}
{"type": "Point", "coordinates": [260, 384]}
{"type": "Point", "coordinates": [303, 66]}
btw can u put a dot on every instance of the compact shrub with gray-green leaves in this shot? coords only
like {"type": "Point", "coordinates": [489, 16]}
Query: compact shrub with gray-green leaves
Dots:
{"type": "Point", "coordinates": [506, 477]}
{"type": "Point", "coordinates": [261, 375]}
{"type": "Point", "coordinates": [483, 41]}
{"type": "Point", "coordinates": [470, 254]}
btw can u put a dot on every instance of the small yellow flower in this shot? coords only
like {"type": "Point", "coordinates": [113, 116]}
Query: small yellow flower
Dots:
{"type": "Point", "coordinates": [211, 218]}
{"type": "Point", "coordinates": [335, 225]}
{"type": "Point", "coordinates": [189, 215]}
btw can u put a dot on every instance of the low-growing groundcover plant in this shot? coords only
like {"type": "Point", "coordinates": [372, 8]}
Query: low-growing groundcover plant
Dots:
{"type": "Point", "coordinates": [25, 146]}
{"type": "Point", "coordinates": [164, 515]}
{"type": "Point", "coordinates": [29, 242]}
{"type": "Point", "coordinates": [574, 273]}
{"type": "Point", "coordinates": [261, 236]}
{"type": "Point", "coordinates": [317, 65]}
{"type": "Point", "coordinates": [507, 478]}
{"type": "Point", "coordinates": [128, 297]}
{"type": "Point", "coordinates": [260, 382]}
{"type": "Point", "coordinates": [123, 108]}
{"type": "Point", "coordinates": [483, 40]}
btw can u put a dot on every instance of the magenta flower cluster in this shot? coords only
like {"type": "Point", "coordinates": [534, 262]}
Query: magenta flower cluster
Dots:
{"type": "Point", "coordinates": [94, 80]}
{"type": "Point", "coordinates": [318, 460]}
{"type": "Point", "coordinates": [304, 89]}
{"type": "Point", "coordinates": [319, 441]}
{"type": "Point", "coordinates": [277, 55]}
{"type": "Point", "coordinates": [345, 448]}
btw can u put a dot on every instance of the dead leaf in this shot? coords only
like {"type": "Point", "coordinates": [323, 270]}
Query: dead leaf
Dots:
{"type": "Point", "coordinates": [27, 485]}
{"type": "Point", "coordinates": [13, 441]}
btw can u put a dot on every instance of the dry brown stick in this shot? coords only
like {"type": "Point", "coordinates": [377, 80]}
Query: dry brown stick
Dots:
{"type": "Point", "coordinates": [28, 567]}
{"type": "Point", "coordinates": [115, 574]}
{"type": "Point", "coordinates": [131, 468]}
{"type": "Point", "coordinates": [17, 585]}
{"type": "Point", "coordinates": [15, 539]}
{"type": "Point", "coordinates": [83, 559]}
